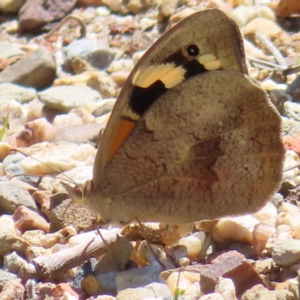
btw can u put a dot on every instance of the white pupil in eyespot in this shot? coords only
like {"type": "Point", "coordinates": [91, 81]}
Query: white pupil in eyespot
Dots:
{"type": "Point", "coordinates": [193, 50]}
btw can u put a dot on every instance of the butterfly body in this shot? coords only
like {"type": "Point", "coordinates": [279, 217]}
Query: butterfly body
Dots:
{"type": "Point", "coordinates": [205, 143]}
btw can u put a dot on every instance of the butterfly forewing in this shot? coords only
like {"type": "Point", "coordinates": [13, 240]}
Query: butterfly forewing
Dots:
{"type": "Point", "coordinates": [165, 65]}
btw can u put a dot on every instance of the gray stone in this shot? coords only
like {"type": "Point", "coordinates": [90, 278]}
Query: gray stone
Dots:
{"type": "Point", "coordinates": [12, 164]}
{"type": "Point", "coordinates": [286, 252]}
{"type": "Point", "coordinates": [13, 194]}
{"type": "Point", "coordinates": [10, 91]}
{"type": "Point", "coordinates": [96, 53]}
{"type": "Point", "coordinates": [37, 69]}
{"type": "Point", "coordinates": [66, 97]}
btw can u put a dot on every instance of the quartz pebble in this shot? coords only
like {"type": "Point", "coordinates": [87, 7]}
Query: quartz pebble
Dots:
{"type": "Point", "coordinates": [237, 229]}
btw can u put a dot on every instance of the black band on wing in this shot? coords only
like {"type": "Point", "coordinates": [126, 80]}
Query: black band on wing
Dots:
{"type": "Point", "coordinates": [142, 98]}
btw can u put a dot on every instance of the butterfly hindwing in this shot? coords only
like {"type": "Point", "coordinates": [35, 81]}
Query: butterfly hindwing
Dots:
{"type": "Point", "coordinates": [203, 150]}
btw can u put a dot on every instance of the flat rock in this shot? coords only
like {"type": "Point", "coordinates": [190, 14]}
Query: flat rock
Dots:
{"type": "Point", "coordinates": [37, 69]}
{"type": "Point", "coordinates": [13, 194]}
{"type": "Point", "coordinates": [64, 98]}
{"type": "Point", "coordinates": [10, 91]}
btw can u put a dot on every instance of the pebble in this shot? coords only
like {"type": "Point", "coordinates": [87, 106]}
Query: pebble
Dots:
{"type": "Point", "coordinates": [5, 277]}
{"type": "Point", "coordinates": [39, 130]}
{"type": "Point", "coordinates": [99, 81]}
{"type": "Point", "coordinates": [79, 133]}
{"type": "Point", "coordinates": [286, 252]}
{"type": "Point", "coordinates": [113, 282]}
{"type": "Point", "coordinates": [26, 219]}
{"type": "Point", "coordinates": [104, 107]}
{"type": "Point", "coordinates": [13, 290]}
{"type": "Point", "coordinates": [11, 164]}
{"type": "Point", "coordinates": [260, 237]}
{"type": "Point", "coordinates": [11, 6]}
{"type": "Point", "coordinates": [30, 19]}
{"type": "Point", "coordinates": [267, 215]}
{"type": "Point", "coordinates": [64, 98]}
{"type": "Point", "coordinates": [35, 70]}
{"type": "Point", "coordinates": [13, 194]}
{"type": "Point", "coordinates": [188, 282]}
{"type": "Point", "coordinates": [64, 156]}
{"type": "Point", "coordinates": [68, 213]}
{"type": "Point", "coordinates": [193, 244]}
{"type": "Point", "coordinates": [116, 258]}
{"type": "Point", "coordinates": [120, 65]}
{"type": "Point", "coordinates": [264, 26]}
{"type": "Point", "coordinates": [226, 288]}
{"type": "Point", "coordinates": [94, 52]}
{"type": "Point", "coordinates": [261, 293]}
{"type": "Point", "coordinates": [13, 262]}
{"type": "Point", "coordinates": [148, 292]}
{"type": "Point", "coordinates": [8, 49]}
{"type": "Point", "coordinates": [10, 91]}
{"type": "Point", "coordinates": [238, 229]}
{"type": "Point", "coordinates": [231, 265]}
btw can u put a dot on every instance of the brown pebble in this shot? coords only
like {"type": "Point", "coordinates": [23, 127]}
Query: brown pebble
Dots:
{"type": "Point", "coordinates": [43, 199]}
{"type": "Point", "coordinates": [231, 265]}
{"type": "Point", "coordinates": [26, 219]}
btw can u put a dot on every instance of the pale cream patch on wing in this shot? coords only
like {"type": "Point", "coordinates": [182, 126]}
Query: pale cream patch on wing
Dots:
{"type": "Point", "coordinates": [146, 77]}
{"type": "Point", "coordinates": [173, 77]}
{"type": "Point", "coordinates": [128, 113]}
{"type": "Point", "coordinates": [209, 61]}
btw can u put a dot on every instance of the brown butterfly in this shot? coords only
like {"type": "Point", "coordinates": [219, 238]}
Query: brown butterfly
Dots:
{"type": "Point", "coordinates": [191, 136]}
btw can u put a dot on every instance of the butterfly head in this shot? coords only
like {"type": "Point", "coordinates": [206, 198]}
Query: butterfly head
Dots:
{"type": "Point", "coordinates": [76, 193]}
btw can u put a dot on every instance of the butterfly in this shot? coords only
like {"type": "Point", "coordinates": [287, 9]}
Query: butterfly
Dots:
{"type": "Point", "coordinates": [191, 136]}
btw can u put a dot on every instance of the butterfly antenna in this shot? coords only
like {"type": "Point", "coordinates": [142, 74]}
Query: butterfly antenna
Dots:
{"type": "Point", "coordinates": [68, 179]}
{"type": "Point", "coordinates": [291, 167]}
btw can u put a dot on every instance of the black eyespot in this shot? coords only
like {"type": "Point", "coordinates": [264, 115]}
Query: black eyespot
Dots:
{"type": "Point", "coordinates": [192, 50]}
{"type": "Point", "coordinates": [246, 169]}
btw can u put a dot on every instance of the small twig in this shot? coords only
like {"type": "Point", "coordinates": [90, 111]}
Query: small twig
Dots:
{"type": "Point", "coordinates": [50, 265]}
{"type": "Point", "coordinates": [271, 66]}
{"type": "Point", "coordinates": [63, 21]}
{"type": "Point", "coordinates": [291, 167]}
{"type": "Point", "coordinates": [275, 52]}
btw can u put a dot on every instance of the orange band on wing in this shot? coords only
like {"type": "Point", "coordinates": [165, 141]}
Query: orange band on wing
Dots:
{"type": "Point", "coordinates": [123, 129]}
